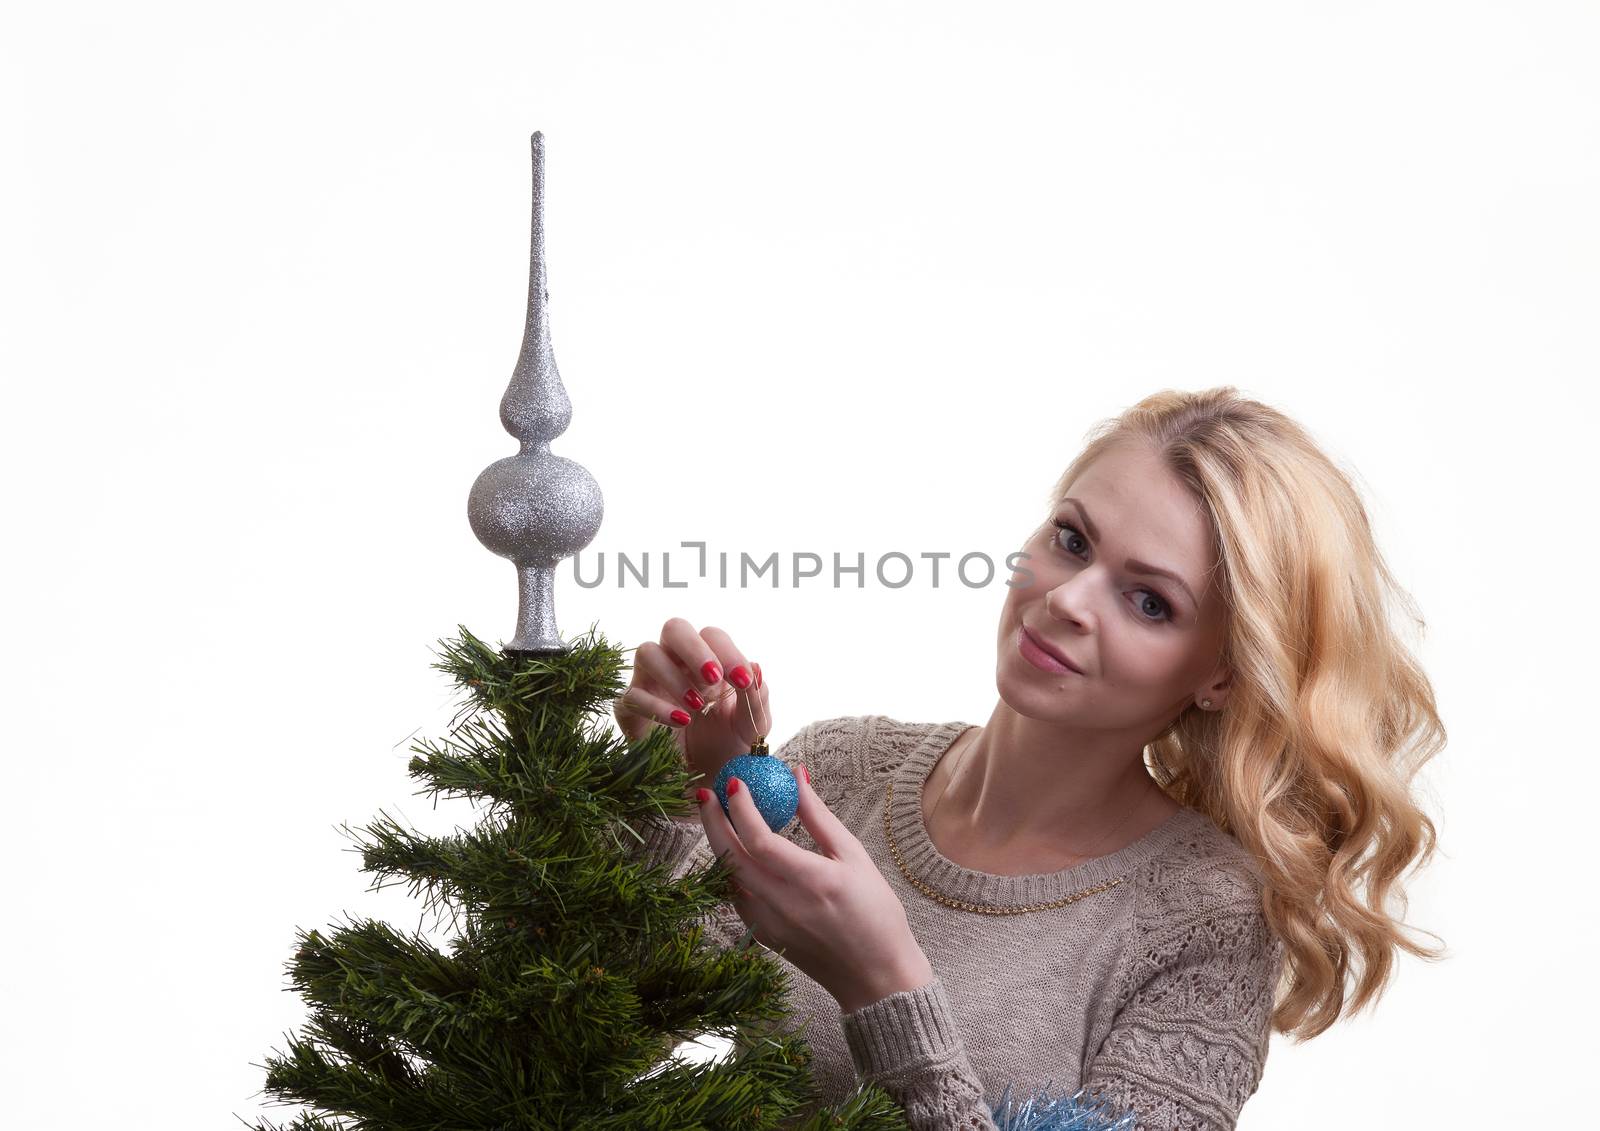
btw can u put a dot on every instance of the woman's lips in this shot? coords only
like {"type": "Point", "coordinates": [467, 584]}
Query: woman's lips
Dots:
{"type": "Point", "coordinates": [1036, 653]}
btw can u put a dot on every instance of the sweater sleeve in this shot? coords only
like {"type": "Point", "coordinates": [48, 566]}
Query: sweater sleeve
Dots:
{"type": "Point", "coordinates": [1189, 1046]}
{"type": "Point", "coordinates": [908, 1045]}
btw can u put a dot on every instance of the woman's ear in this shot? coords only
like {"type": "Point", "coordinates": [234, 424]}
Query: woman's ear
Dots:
{"type": "Point", "coordinates": [1216, 689]}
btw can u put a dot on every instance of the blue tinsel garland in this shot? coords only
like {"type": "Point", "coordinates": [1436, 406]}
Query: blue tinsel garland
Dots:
{"type": "Point", "coordinates": [1081, 1111]}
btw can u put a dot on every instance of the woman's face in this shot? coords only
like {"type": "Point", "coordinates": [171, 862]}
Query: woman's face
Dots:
{"type": "Point", "coordinates": [1145, 644]}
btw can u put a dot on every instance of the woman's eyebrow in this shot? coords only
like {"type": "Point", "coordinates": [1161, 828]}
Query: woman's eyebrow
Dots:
{"type": "Point", "coordinates": [1133, 564]}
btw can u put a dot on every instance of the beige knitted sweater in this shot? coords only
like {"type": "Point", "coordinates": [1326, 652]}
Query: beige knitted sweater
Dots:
{"type": "Point", "coordinates": [1157, 991]}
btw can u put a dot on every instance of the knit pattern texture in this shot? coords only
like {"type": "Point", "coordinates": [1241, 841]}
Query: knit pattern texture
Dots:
{"type": "Point", "coordinates": [1156, 993]}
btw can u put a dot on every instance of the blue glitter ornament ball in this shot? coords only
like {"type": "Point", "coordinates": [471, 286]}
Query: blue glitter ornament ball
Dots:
{"type": "Point", "coordinates": [770, 782]}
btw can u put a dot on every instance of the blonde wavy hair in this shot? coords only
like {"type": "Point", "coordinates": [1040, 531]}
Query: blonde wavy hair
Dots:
{"type": "Point", "coordinates": [1329, 716]}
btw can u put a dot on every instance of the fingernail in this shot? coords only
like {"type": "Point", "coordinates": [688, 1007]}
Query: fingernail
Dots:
{"type": "Point", "coordinates": [733, 786]}
{"type": "Point", "coordinates": [739, 677]}
{"type": "Point", "coordinates": [681, 718]}
{"type": "Point", "coordinates": [692, 697]}
{"type": "Point", "coordinates": [757, 666]}
{"type": "Point", "coordinates": [710, 672]}
{"type": "Point", "coordinates": [805, 773]}
{"type": "Point", "coordinates": [702, 795]}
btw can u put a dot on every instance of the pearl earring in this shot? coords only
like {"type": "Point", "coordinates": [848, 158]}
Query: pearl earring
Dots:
{"type": "Point", "coordinates": [1205, 702]}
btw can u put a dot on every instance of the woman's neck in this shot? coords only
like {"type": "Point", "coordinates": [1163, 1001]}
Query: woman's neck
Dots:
{"type": "Point", "coordinates": [1003, 789]}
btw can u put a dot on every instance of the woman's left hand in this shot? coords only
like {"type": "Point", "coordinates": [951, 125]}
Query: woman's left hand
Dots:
{"type": "Point", "coordinates": [831, 913]}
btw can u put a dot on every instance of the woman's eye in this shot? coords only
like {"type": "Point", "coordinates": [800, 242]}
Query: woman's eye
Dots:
{"type": "Point", "coordinates": [1166, 609]}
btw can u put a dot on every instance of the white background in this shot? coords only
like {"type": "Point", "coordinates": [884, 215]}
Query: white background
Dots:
{"type": "Point", "coordinates": [824, 277]}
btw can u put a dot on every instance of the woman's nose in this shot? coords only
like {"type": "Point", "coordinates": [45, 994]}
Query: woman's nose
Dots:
{"type": "Point", "coordinates": [1057, 603]}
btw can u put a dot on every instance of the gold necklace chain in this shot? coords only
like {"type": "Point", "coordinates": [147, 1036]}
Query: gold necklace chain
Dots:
{"type": "Point", "coordinates": [979, 908]}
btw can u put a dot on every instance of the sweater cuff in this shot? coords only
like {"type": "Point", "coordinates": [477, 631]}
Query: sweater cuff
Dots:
{"type": "Point", "coordinates": [669, 838]}
{"type": "Point", "coordinates": [906, 1030]}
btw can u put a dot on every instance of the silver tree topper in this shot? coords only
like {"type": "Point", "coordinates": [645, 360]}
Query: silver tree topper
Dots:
{"type": "Point", "coordinates": [535, 507]}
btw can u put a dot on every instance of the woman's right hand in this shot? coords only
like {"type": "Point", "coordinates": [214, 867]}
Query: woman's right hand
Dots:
{"type": "Point", "coordinates": [687, 668]}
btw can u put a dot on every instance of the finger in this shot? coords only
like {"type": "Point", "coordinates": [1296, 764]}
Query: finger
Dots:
{"type": "Point", "coordinates": [637, 708]}
{"type": "Point", "coordinates": [777, 856]}
{"type": "Point", "coordinates": [832, 835]}
{"type": "Point", "coordinates": [750, 883]}
{"type": "Point", "coordinates": [663, 677]}
{"type": "Point", "coordinates": [749, 714]}
{"type": "Point", "coordinates": [724, 841]}
{"type": "Point", "coordinates": [736, 669]}
{"type": "Point", "coordinates": [634, 724]}
{"type": "Point", "coordinates": [745, 718]}
{"type": "Point", "coordinates": [692, 656]}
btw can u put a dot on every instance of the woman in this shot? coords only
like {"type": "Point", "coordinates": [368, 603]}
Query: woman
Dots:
{"type": "Point", "coordinates": [1193, 790]}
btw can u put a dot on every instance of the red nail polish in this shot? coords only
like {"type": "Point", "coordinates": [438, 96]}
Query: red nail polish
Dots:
{"type": "Point", "coordinates": [757, 666]}
{"type": "Point", "coordinates": [806, 774]}
{"type": "Point", "coordinates": [702, 795]}
{"type": "Point", "coordinates": [681, 718]}
{"type": "Point", "coordinates": [733, 786]}
{"type": "Point", "coordinates": [739, 677]}
{"type": "Point", "coordinates": [692, 697]}
{"type": "Point", "coordinates": [710, 672]}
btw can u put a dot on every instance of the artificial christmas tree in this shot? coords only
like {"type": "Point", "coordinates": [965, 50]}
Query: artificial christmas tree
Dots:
{"type": "Point", "coordinates": [578, 968]}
